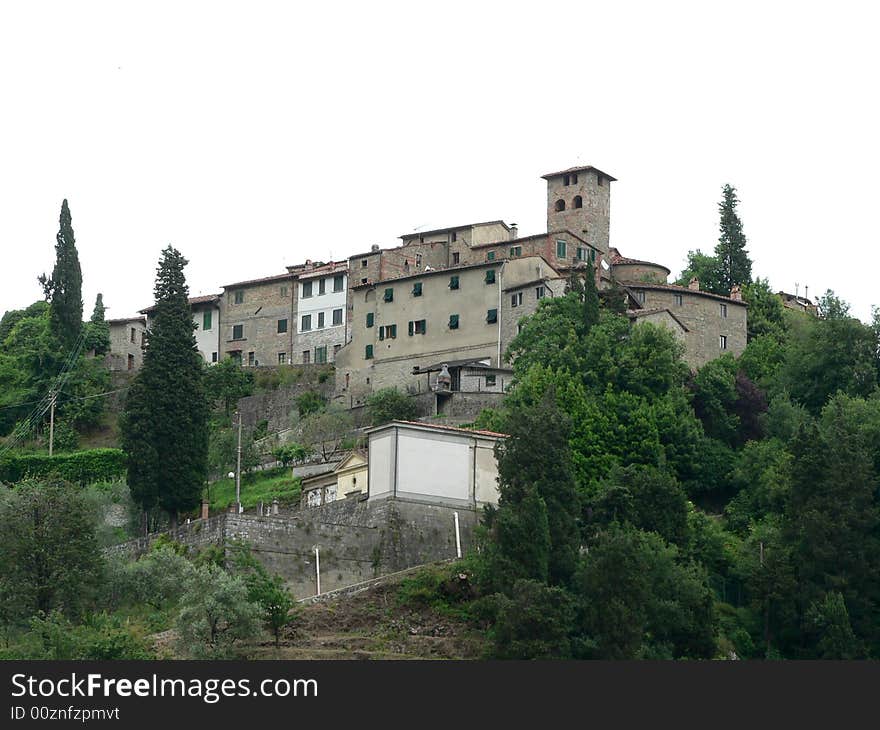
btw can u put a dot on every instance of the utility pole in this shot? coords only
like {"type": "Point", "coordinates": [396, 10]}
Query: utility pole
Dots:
{"type": "Point", "coordinates": [238, 468]}
{"type": "Point", "coordinates": [51, 423]}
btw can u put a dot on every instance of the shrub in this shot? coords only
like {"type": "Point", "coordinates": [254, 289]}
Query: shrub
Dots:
{"type": "Point", "coordinates": [78, 467]}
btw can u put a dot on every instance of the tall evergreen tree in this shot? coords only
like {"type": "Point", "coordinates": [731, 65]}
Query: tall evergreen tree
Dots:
{"type": "Point", "coordinates": [735, 266]}
{"type": "Point", "coordinates": [64, 289]}
{"type": "Point", "coordinates": [97, 329]}
{"type": "Point", "coordinates": [165, 422]}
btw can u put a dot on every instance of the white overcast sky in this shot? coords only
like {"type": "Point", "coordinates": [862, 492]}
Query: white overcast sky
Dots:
{"type": "Point", "coordinates": [253, 135]}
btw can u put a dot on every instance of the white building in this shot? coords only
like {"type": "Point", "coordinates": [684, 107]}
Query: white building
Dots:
{"type": "Point", "coordinates": [206, 317]}
{"type": "Point", "coordinates": [430, 463]}
{"type": "Point", "coordinates": [321, 313]}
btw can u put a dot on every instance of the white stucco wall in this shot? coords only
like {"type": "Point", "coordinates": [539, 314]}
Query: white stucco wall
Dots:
{"type": "Point", "coordinates": [433, 466]}
{"type": "Point", "coordinates": [381, 476]}
{"type": "Point", "coordinates": [208, 341]}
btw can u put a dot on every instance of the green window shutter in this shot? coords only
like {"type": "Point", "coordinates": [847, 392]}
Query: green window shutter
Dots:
{"type": "Point", "coordinates": [392, 331]}
{"type": "Point", "coordinates": [560, 249]}
{"type": "Point", "coordinates": [370, 318]}
{"type": "Point", "coordinates": [453, 282]}
{"type": "Point", "coordinates": [382, 333]}
{"type": "Point", "coordinates": [490, 256]}
{"type": "Point", "coordinates": [368, 352]}
{"type": "Point", "coordinates": [411, 326]}
{"type": "Point", "coordinates": [492, 316]}
{"type": "Point", "coordinates": [417, 289]}
{"type": "Point", "coordinates": [593, 254]}
{"type": "Point", "coordinates": [453, 321]}
{"type": "Point", "coordinates": [206, 321]}
{"type": "Point", "coordinates": [490, 276]}
{"type": "Point", "coordinates": [389, 295]}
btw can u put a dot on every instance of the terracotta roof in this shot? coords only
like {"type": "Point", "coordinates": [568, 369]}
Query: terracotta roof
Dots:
{"type": "Point", "coordinates": [264, 280]}
{"type": "Point", "coordinates": [453, 228]}
{"type": "Point", "coordinates": [449, 270]}
{"type": "Point", "coordinates": [328, 268]}
{"type": "Point", "coordinates": [192, 301]}
{"type": "Point", "coordinates": [681, 289]}
{"type": "Point", "coordinates": [577, 169]}
{"type": "Point", "coordinates": [619, 260]}
{"type": "Point", "coordinates": [443, 427]}
{"type": "Point", "coordinates": [513, 241]}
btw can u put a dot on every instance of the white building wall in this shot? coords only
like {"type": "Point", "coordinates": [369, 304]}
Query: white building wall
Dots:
{"type": "Point", "coordinates": [208, 340]}
{"type": "Point", "coordinates": [381, 464]}
{"type": "Point", "coordinates": [326, 302]}
{"type": "Point", "coordinates": [433, 466]}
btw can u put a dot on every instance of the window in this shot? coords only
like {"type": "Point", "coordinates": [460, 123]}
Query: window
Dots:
{"type": "Point", "coordinates": [560, 206]}
{"type": "Point", "coordinates": [560, 249]}
{"type": "Point", "coordinates": [388, 331]}
{"type": "Point", "coordinates": [492, 316]}
{"type": "Point", "coordinates": [640, 295]}
{"type": "Point", "coordinates": [453, 321]}
{"type": "Point", "coordinates": [515, 251]}
{"type": "Point", "coordinates": [320, 320]}
{"type": "Point", "coordinates": [574, 179]}
{"type": "Point", "coordinates": [238, 297]}
{"type": "Point", "coordinates": [322, 286]}
{"type": "Point", "coordinates": [593, 255]}
{"type": "Point", "coordinates": [454, 236]}
{"type": "Point", "coordinates": [206, 320]}
{"type": "Point", "coordinates": [419, 260]}
{"type": "Point", "coordinates": [134, 335]}
{"type": "Point", "coordinates": [566, 180]}
{"type": "Point", "coordinates": [490, 256]}
{"type": "Point", "coordinates": [599, 180]}
{"type": "Point", "coordinates": [363, 281]}
{"type": "Point", "coordinates": [252, 360]}
{"type": "Point", "coordinates": [306, 323]}
{"type": "Point", "coordinates": [337, 317]}
{"type": "Point", "coordinates": [455, 257]}
{"type": "Point", "coordinates": [321, 355]}
{"type": "Point", "coordinates": [490, 381]}
{"type": "Point", "coordinates": [282, 326]}
{"type": "Point", "coordinates": [307, 289]}
{"type": "Point", "coordinates": [516, 300]}
{"type": "Point", "coordinates": [130, 361]}
{"type": "Point", "coordinates": [338, 282]}
{"type": "Point", "coordinates": [540, 292]}
{"type": "Point", "coordinates": [363, 263]}
{"type": "Point", "coordinates": [283, 292]}
{"type": "Point", "coordinates": [724, 310]}
{"type": "Point", "coordinates": [453, 282]}
{"type": "Point", "coordinates": [581, 254]}
{"type": "Point", "coordinates": [370, 318]}
{"type": "Point", "coordinates": [213, 357]}
{"type": "Point", "coordinates": [490, 276]}
{"type": "Point", "coordinates": [578, 202]}
{"type": "Point", "coordinates": [722, 342]}
{"type": "Point", "coordinates": [417, 327]}
{"type": "Point", "coordinates": [236, 356]}
{"type": "Point", "coordinates": [389, 295]}
{"type": "Point", "coordinates": [238, 332]}
{"type": "Point", "coordinates": [282, 358]}
{"type": "Point", "coordinates": [678, 299]}
{"type": "Point", "coordinates": [417, 289]}
{"type": "Point", "coordinates": [307, 357]}
{"type": "Point", "coordinates": [368, 352]}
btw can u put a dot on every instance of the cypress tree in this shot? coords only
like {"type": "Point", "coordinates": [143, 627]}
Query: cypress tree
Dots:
{"type": "Point", "coordinates": [734, 264]}
{"type": "Point", "coordinates": [165, 422]}
{"type": "Point", "coordinates": [97, 329]}
{"type": "Point", "coordinates": [64, 289]}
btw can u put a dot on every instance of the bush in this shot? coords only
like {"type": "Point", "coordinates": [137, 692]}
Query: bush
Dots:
{"type": "Point", "coordinates": [389, 404]}
{"type": "Point", "coordinates": [78, 467]}
{"type": "Point", "coordinates": [534, 623]}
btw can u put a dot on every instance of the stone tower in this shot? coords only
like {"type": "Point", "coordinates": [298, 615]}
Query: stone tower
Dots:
{"type": "Point", "coordinates": [579, 200]}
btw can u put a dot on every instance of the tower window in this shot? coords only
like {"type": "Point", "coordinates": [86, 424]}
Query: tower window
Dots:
{"type": "Point", "coordinates": [574, 179]}
{"type": "Point", "coordinates": [724, 310]}
{"type": "Point", "coordinates": [722, 342]}
{"type": "Point", "coordinates": [599, 180]}
{"type": "Point", "coordinates": [560, 205]}
{"type": "Point", "coordinates": [566, 180]}
{"type": "Point", "coordinates": [578, 202]}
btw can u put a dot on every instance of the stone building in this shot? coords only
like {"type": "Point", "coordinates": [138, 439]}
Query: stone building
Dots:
{"type": "Point", "coordinates": [126, 343]}
{"type": "Point", "coordinates": [206, 318]}
{"type": "Point", "coordinates": [579, 200]}
{"type": "Point", "coordinates": [710, 325]}
{"type": "Point", "coordinates": [404, 327]}
{"type": "Point", "coordinates": [256, 320]}
{"type": "Point", "coordinates": [320, 320]}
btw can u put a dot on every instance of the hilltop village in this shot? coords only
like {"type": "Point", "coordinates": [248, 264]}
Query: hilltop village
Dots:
{"type": "Point", "coordinates": [444, 301]}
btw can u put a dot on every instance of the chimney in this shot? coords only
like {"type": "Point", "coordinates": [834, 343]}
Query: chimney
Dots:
{"type": "Point", "coordinates": [514, 231]}
{"type": "Point", "coordinates": [694, 284]}
{"type": "Point", "coordinates": [375, 248]}
{"type": "Point", "coordinates": [736, 292]}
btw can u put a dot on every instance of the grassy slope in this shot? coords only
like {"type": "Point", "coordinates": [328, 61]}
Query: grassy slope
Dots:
{"type": "Point", "coordinates": [255, 488]}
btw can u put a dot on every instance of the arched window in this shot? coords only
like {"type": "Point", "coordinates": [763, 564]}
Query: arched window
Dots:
{"type": "Point", "coordinates": [578, 202]}
{"type": "Point", "coordinates": [560, 205]}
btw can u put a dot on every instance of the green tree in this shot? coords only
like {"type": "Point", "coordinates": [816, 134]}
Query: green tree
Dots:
{"type": "Point", "coordinates": [325, 432]}
{"type": "Point", "coordinates": [266, 591]}
{"type": "Point", "coordinates": [309, 402]}
{"type": "Point", "coordinates": [164, 426]}
{"type": "Point", "coordinates": [51, 559]}
{"type": "Point", "coordinates": [215, 614]}
{"type": "Point", "coordinates": [389, 404]}
{"type": "Point", "coordinates": [829, 619]}
{"type": "Point", "coordinates": [227, 381]}
{"type": "Point", "coordinates": [63, 289]}
{"type": "Point", "coordinates": [766, 312]}
{"type": "Point", "coordinates": [97, 330]}
{"type": "Point", "coordinates": [705, 269]}
{"type": "Point", "coordinates": [534, 623]}
{"type": "Point", "coordinates": [735, 266]}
